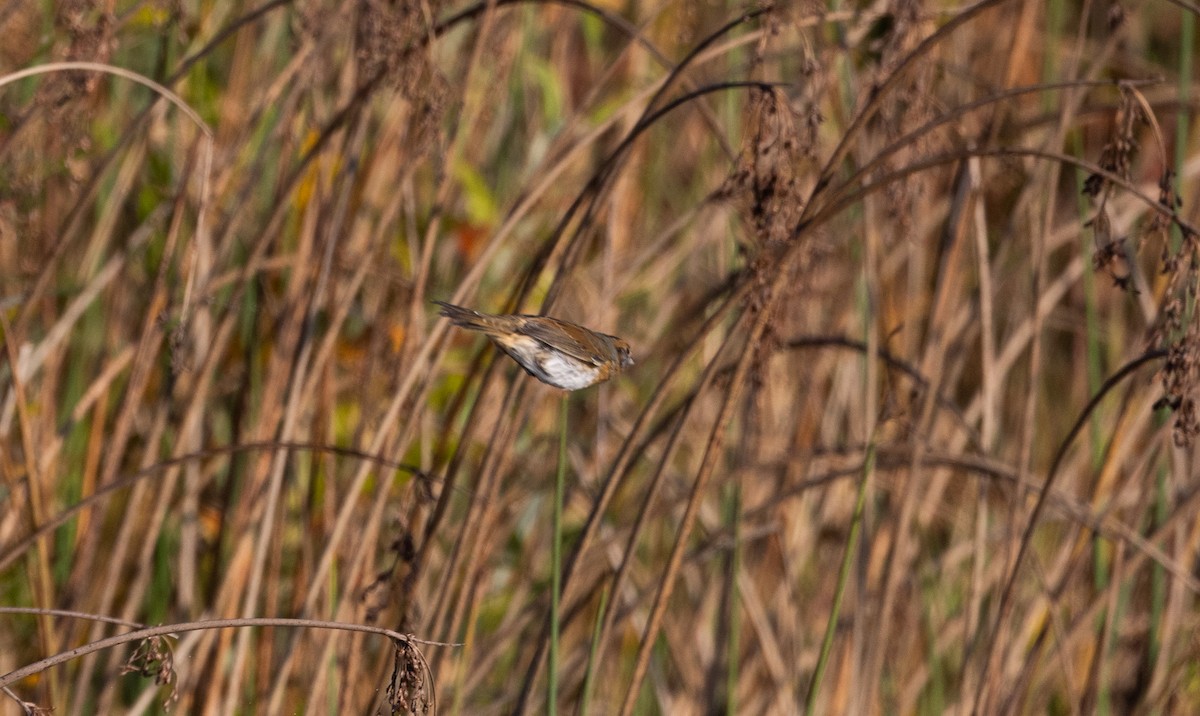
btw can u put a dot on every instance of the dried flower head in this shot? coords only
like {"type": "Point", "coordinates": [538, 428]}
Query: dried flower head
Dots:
{"type": "Point", "coordinates": [153, 657]}
{"type": "Point", "coordinates": [410, 690]}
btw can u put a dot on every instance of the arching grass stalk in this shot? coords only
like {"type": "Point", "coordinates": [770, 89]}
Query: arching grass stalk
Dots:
{"type": "Point", "coordinates": [843, 578]}
{"type": "Point", "coordinates": [556, 560]}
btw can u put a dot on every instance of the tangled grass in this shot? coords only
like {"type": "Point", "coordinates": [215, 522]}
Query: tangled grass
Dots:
{"type": "Point", "coordinates": [910, 286]}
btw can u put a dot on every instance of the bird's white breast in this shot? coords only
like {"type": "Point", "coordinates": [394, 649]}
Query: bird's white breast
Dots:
{"type": "Point", "coordinates": [567, 373]}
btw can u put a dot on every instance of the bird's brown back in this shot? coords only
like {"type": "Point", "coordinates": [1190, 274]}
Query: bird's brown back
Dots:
{"type": "Point", "coordinates": [576, 341]}
{"type": "Point", "coordinates": [572, 339]}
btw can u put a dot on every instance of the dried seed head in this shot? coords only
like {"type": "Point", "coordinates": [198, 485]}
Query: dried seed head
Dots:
{"type": "Point", "coordinates": [410, 690]}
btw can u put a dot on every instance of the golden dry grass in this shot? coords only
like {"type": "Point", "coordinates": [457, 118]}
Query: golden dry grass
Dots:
{"type": "Point", "coordinates": [890, 250]}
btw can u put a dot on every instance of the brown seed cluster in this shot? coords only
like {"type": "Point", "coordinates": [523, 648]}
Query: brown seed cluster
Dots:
{"type": "Point", "coordinates": [90, 38]}
{"type": "Point", "coordinates": [1176, 329]}
{"type": "Point", "coordinates": [1177, 325]}
{"type": "Point", "coordinates": [771, 180]}
{"type": "Point", "coordinates": [407, 691]}
{"type": "Point", "coordinates": [1181, 377]}
{"type": "Point", "coordinates": [153, 657]}
{"type": "Point", "coordinates": [766, 188]}
{"type": "Point", "coordinates": [1116, 158]}
{"type": "Point", "coordinates": [391, 40]}
{"type": "Point", "coordinates": [765, 184]}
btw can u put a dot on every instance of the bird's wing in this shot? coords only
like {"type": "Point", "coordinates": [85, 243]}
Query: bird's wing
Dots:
{"type": "Point", "coordinates": [563, 338]}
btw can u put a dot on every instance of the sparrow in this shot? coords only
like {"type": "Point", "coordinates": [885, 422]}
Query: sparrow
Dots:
{"type": "Point", "coordinates": [563, 354]}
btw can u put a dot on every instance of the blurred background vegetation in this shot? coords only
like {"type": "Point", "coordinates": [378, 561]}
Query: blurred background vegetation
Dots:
{"type": "Point", "coordinates": [875, 259]}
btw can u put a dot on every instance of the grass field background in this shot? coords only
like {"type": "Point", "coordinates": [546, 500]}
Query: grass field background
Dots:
{"type": "Point", "coordinates": [910, 287]}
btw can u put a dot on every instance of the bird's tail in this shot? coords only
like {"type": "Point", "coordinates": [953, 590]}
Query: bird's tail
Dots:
{"type": "Point", "coordinates": [464, 317]}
